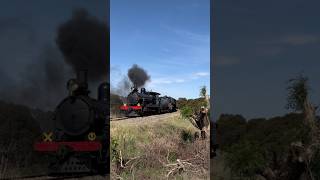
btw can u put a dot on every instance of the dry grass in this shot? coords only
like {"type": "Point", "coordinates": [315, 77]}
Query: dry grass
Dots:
{"type": "Point", "coordinates": [157, 150]}
{"type": "Point", "coordinates": [218, 169]}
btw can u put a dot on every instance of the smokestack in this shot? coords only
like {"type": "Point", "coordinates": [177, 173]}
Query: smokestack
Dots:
{"type": "Point", "coordinates": [82, 76]}
{"type": "Point", "coordinates": [82, 79]}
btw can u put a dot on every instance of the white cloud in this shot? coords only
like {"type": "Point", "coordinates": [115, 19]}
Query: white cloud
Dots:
{"type": "Point", "coordinates": [180, 80]}
{"type": "Point", "coordinates": [161, 81]}
{"type": "Point", "coordinates": [198, 75]}
{"type": "Point", "coordinates": [175, 80]}
{"type": "Point", "coordinates": [167, 80]}
{"type": "Point", "coordinates": [185, 34]}
{"type": "Point", "coordinates": [202, 74]}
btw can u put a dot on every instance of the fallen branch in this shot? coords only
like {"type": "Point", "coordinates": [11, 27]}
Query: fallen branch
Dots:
{"type": "Point", "coordinates": [182, 166]}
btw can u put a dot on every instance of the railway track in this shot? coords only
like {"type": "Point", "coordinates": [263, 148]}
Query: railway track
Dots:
{"type": "Point", "coordinates": [119, 118]}
{"type": "Point", "coordinates": [142, 117]}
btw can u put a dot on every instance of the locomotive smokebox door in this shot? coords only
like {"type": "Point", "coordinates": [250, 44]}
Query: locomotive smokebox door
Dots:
{"type": "Point", "coordinates": [74, 116]}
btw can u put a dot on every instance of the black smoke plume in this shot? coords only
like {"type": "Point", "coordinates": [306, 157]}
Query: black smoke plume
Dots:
{"type": "Point", "coordinates": [138, 76]}
{"type": "Point", "coordinates": [83, 42]}
{"type": "Point", "coordinates": [39, 79]}
{"type": "Point", "coordinates": [41, 84]}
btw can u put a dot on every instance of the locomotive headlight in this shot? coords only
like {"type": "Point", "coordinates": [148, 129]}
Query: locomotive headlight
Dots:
{"type": "Point", "coordinates": [125, 104]}
{"type": "Point", "coordinates": [92, 136]}
{"type": "Point", "coordinates": [138, 104]}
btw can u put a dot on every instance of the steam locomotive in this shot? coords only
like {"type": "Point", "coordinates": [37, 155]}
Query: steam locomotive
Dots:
{"type": "Point", "coordinates": [79, 142]}
{"type": "Point", "coordinates": [146, 103]}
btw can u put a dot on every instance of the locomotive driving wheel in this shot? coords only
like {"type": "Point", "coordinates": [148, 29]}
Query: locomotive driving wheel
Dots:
{"type": "Point", "coordinates": [141, 112]}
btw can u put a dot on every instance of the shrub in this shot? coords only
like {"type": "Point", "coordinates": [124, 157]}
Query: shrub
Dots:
{"type": "Point", "coordinates": [114, 150]}
{"type": "Point", "coordinates": [187, 136]}
{"type": "Point", "coordinates": [315, 165]}
{"type": "Point", "coordinates": [245, 159]}
{"type": "Point", "coordinates": [186, 112]}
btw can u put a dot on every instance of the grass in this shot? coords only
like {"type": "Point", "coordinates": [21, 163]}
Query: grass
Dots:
{"type": "Point", "coordinates": [148, 148]}
{"type": "Point", "coordinates": [218, 168]}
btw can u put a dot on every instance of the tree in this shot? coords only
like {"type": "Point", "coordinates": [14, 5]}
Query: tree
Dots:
{"type": "Point", "coordinates": [203, 91]}
{"type": "Point", "coordinates": [298, 91]}
{"type": "Point", "coordinates": [203, 94]}
{"type": "Point", "coordinates": [245, 159]}
{"type": "Point", "coordinates": [299, 101]}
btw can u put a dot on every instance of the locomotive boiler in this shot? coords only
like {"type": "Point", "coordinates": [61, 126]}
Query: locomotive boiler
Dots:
{"type": "Point", "coordinates": [146, 103]}
{"type": "Point", "coordinates": [80, 139]}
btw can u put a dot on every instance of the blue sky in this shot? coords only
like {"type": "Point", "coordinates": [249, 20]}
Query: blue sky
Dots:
{"type": "Point", "coordinates": [170, 39]}
{"type": "Point", "coordinates": [259, 45]}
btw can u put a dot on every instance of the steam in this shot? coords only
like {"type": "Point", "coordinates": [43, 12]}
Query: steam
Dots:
{"type": "Point", "coordinates": [41, 84]}
{"type": "Point", "coordinates": [124, 87]}
{"type": "Point", "coordinates": [138, 76]}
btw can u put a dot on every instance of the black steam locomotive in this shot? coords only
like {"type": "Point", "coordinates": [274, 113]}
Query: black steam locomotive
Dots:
{"type": "Point", "coordinates": [79, 142]}
{"type": "Point", "coordinates": [147, 102]}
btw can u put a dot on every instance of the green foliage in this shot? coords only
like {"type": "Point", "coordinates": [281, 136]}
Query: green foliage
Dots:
{"type": "Point", "coordinates": [115, 103]}
{"type": "Point", "coordinates": [127, 145]}
{"type": "Point", "coordinates": [122, 148]}
{"type": "Point", "coordinates": [187, 136]}
{"type": "Point", "coordinates": [186, 112]}
{"type": "Point", "coordinates": [267, 141]}
{"type": "Point", "coordinates": [315, 165]}
{"type": "Point", "coordinates": [298, 90]}
{"type": "Point", "coordinates": [194, 104]}
{"type": "Point", "coordinates": [19, 130]}
{"type": "Point", "coordinates": [115, 156]}
{"type": "Point", "coordinates": [182, 102]}
{"type": "Point", "coordinates": [245, 159]}
{"type": "Point", "coordinates": [172, 156]}
{"type": "Point", "coordinates": [203, 91]}
{"type": "Point", "coordinates": [230, 129]}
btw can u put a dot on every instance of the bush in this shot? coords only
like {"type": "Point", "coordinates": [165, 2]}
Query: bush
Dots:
{"type": "Point", "coordinates": [115, 103]}
{"type": "Point", "coordinates": [262, 141]}
{"type": "Point", "coordinates": [115, 156]}
{"type": "Point", "coordinates": [315, 165]}
{"type": "Point", "coordinates": [186, 112]}
{"type": "Point", "coordinates": [187, 136]}
{"type": "Point", "coordinates": [194, 104]}
{"type": "Point", "coordinates": [172, 156]}
{"type": "Point", "coordinates": [230, 129]}
{"type": "Point", "coordinates": [245, 159]}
